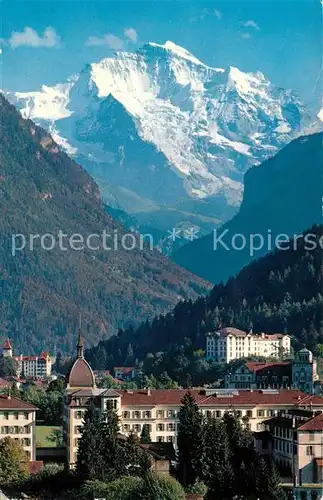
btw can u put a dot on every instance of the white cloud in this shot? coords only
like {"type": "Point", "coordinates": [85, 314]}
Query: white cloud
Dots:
{"type": "Point", "coordinates": [132, 34]}
{"type": "Point", "coordinates": [30, 38]}
{"type": "Point", "coordinates": [251, 24]}
{"type": "Point", "coordinates": [218, 14]}
{"type": "Point", "coordinates": [113, 41]}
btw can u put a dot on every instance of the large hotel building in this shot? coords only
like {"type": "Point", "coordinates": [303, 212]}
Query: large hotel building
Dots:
{"type": "Point", "coordinates": [230, 343]}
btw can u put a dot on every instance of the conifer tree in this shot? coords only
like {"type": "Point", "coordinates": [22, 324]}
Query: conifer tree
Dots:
{"type": "Point", "coordinates": [145, 434]}
{"type": "Point", "coordinates": [111, 447]}
{"type": "Point", "coordinates": [190, 441]}
{"type": "Point", "coordinates": [89, 462]}
{"type": "Point", "coordinates": [275, 491]}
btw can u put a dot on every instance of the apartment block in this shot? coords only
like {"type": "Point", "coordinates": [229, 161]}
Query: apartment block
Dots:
{"type": "Point", "coordinates": [294, 439]}
{"type": "Point", "coordinates": [29, 366]}
{"type": "Point", "coordinates": [18, 421]}
{"type": "Point", "coordinates": [230, 343]}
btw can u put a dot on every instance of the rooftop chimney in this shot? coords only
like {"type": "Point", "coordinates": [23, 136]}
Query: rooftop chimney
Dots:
{"type": "Point", "coordinates": [148, 391]}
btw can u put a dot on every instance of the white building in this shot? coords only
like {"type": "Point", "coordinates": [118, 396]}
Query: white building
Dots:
{"type": "Point", "coordinates": [230, 343]}
{"type": "Point", "coordinates": [29, 366]}
{"type": "Point", "coordinates": [159, 409]}
{"type": "Point", "coordinates": [18, 421]}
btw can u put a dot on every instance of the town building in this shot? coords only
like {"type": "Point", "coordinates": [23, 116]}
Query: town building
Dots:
{"type": "Point", "coordinates": [260, 375]}
{"type": "Point", "coordinates": [124, 372]}
{"type": "Point", "coordinates": [160, 408]}
{"type": "Point", "coordinates": [299, 373]}
{"type": "Point", "coordinates": [294, 439]}
{"type": "Point", "coordinates": [230, 343]}
{"type": "Point", "coordinates": [304, 371]}
{"type": "Point", "coordinates": [18, 421]}
{"type": "Point", "coordinates": [29, 366]}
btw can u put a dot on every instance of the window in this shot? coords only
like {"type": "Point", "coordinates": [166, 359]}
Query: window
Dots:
{"type": "Point", "coordinates": [249, 413]}
{"type": "Point", "coordinates": [238, 413]}
{"type": "Point", "coordinates": [26, 442]}
{"type": "Point", "coordinates": [147, 414]}
{"type": "Point", "coordinates": [260, 413]}
{"type": "Point", "coordinates": [78, 414]}
{"type": "Point", "coordinates": [160, 439]}
{"type": "Point", "coordinates": [26, 415]}
{"type": "Point", "coordinates": [170, 427]}
{"type": "Point", "coordinates": [218, 413]}
{"type": "Point", "coordinates": [15, 415]}
{"type": "Point", "coordinates": [137, 427]}
{"type": "Point", "coordinates": [136, 414]}
{"type": "Point", "coordinates": [6, 415]}
{"type": "Point", "coordinates": [170, 439]}
{"type": "Point", "coordinates": [160, 427]}
{"type": "Point", "coordinates": [113, 402]}
{"type": "Point", "coordinates": [126, 427]}
{"type": "Point", "coordinates": [160, 413]}
{"type": "Point", "coordinates": [126, 414]}
{"type": "Point", "coordinates": [311, 436]}
{"type": "Point", "coordinates": [309, 451]}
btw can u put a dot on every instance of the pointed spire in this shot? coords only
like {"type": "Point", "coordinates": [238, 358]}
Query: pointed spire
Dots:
{"type": "Point", "coordinates": [80, 346]}
{"type": "Point", "coordinates": [80, 341]}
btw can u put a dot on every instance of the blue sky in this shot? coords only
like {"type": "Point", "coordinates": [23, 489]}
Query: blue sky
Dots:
{"type": "Point", "coordinates": [281, 38]}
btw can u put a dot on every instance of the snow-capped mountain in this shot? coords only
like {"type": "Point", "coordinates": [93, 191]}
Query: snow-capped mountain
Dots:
{"type": "Point", "coordinates": [161, 131]}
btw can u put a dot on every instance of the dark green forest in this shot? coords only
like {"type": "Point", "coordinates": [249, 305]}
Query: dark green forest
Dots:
{"type": "Point", "coordinates": [281, 292]}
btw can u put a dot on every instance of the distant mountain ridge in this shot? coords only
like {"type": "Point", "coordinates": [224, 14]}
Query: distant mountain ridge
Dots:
{"type": "Point", "coordinates": [164, 134]}
{"type": "Point", "coordinates": [43, 292]}
{"type": "Point", "coordinates": [282, 195]}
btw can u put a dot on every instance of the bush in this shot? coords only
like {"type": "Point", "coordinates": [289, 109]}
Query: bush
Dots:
{"type": "Point", "coordinates": [124, 488]}
{"type": "Point", "coordinates": [198, 488]}
{"type": "Point", "coordinates": [163, 488]}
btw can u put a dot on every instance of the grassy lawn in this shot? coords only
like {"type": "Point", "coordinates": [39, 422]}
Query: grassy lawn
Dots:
{"type": "Point", "coordinates": [42, 434]}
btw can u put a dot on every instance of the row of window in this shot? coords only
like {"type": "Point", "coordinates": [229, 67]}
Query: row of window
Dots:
{"type": "Point", "coordinates": [148, 414]}
{"type": "Point", "coordinates": [159, 427]}
{"type": "Point", "coordinates": [23, 441]}
{"type": "Point", "coordinates": [15, 415]}
{"type": "Point", "coordinates": [284, 446]}
{"type": "Point", "coordinates": [15, 429]}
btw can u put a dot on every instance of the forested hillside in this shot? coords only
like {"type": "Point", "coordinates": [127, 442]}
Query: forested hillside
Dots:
{"type": "Point", "coordinates": [282, 291]}
{"type": "Point", "coordinates": [43, 292]}
{"type": "Point", "coordinates": [282, 195]}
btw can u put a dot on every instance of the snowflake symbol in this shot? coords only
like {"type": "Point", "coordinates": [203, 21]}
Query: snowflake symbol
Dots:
{"type": "Point", "coordinates": [191, 233]}
{"type": "Point", "coordinates": [174, 234]}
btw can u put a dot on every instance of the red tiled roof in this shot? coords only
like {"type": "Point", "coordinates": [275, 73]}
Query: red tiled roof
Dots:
{"type": "Point", "coordinates": [9, 403]}
{"type": "Point", "coordinates": [124, 369]}
{"type": "Point", "coordinates": [255, 366]}
{"type": "Point", "coordinates": [315, 424]}
{"type": "Point", "coordinates": [41, 357]}
{"type": "Point", "coordinates": [270, 336]}
{"type": "Point", "coordinates": [7, 344]}
{"type": "Point", "coordinates": [244, 398]}
{"type": "Point", "coordinates": [228, 330]}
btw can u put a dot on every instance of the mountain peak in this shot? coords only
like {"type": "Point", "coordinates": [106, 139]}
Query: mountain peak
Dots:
{"type": "Point", "coordinates": [178, 51]}
{"type": "Point", "coordinates": [245, 82]}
